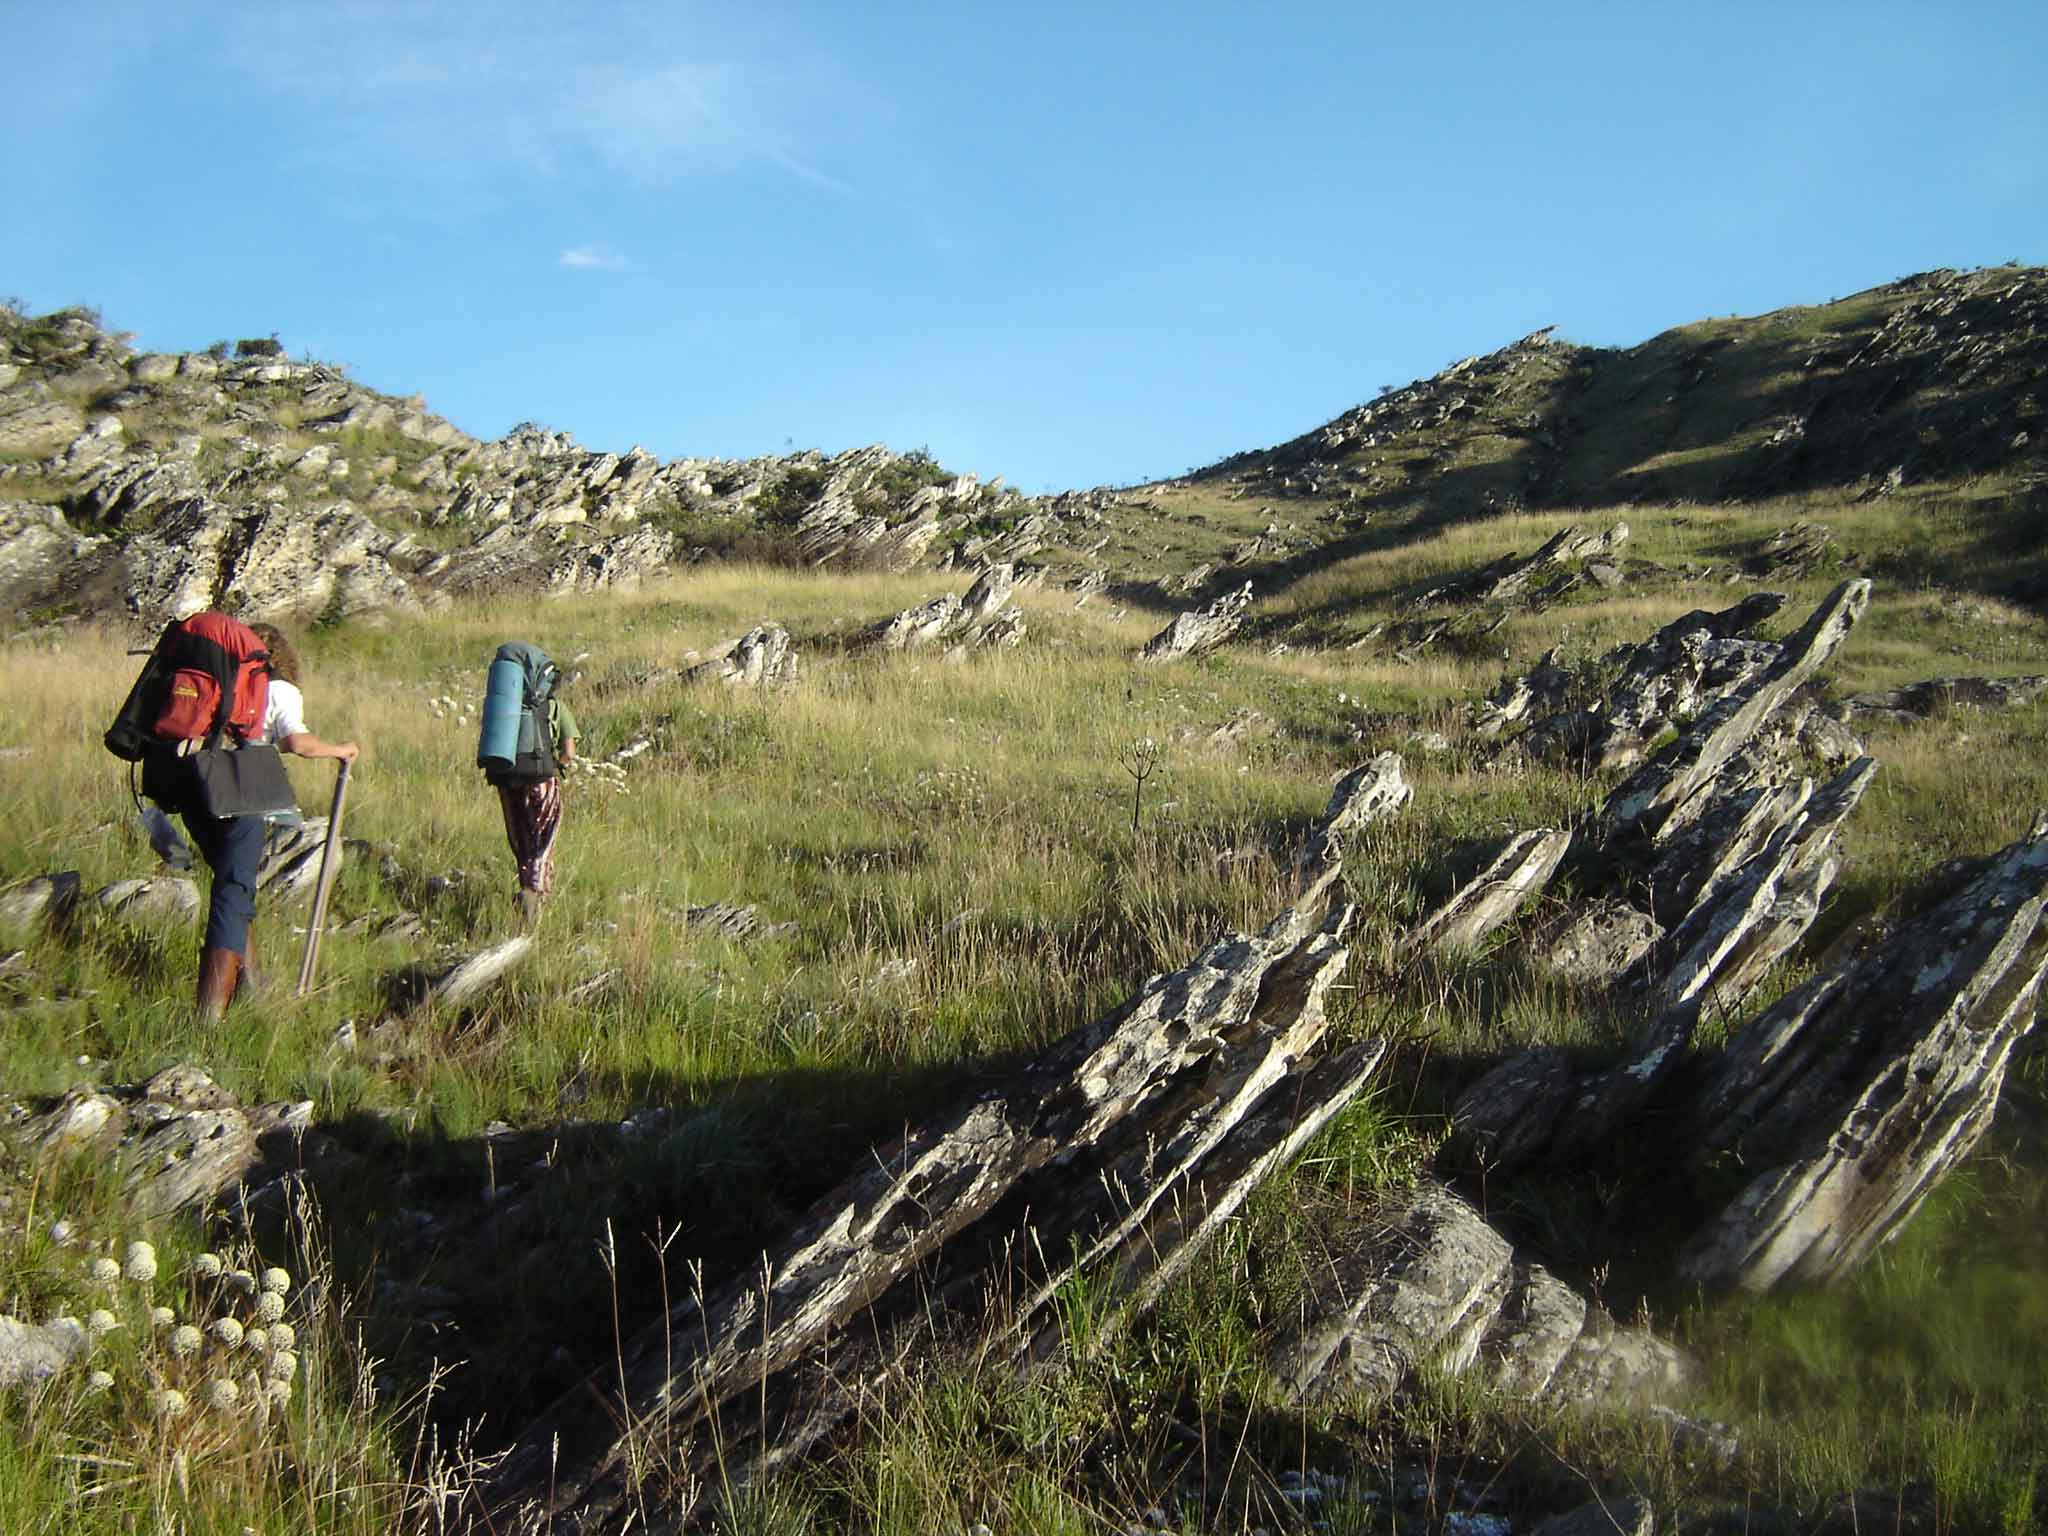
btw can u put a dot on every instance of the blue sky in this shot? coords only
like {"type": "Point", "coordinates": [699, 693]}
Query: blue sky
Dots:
{"type": "Point", "coordinates": [1065, 244]}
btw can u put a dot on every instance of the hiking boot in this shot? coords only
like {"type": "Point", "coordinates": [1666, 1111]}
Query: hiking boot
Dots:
{"type": "Point", "coordinates": [529, 910]}
{"type": "Point", "coordinates": [218, 969]}
{"type": "Point", "coordinates": [253, 977]}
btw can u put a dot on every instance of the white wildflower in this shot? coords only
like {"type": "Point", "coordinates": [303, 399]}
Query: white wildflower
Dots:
{"type": "Point", "coordinates": [62, 1231]}
{"type": "Point", "coordinates": [161, 1317]}
{"type": "Point", "coordinates": [244, 1282]}
{"type": "Point", "coordinates": [103, 1271]}
{"type": "Point", "coordinates": [100, 1322]}
{"type": "Point", "coordinates": [168, 1402]}
{"type": "Point", "coordinates": [284, 1365]}
{"type": "Point", "coordinates": [256, 1339]}
{"type": "Point", "coordinates": [269, 1307]}
{"type": "Point", "coordinates": [185, 1342]}
{"type": "Point", "coordinates": [100, 1381]}
{"type": "Point", "coordinates": [278, 1394]}
{"type": "Point", "coordinates": [282, 1336]}
{"type": "Point", "coordinates": [140, 1263]}
{"type": "Point", "coordinates": [277, 1280]}
{"type": "Point", "coordinates": [208, 1266]}
{"type": "Point", "coordinates": [227, 1330]}
{"type": "Point", "coordinates": [222, 1393]}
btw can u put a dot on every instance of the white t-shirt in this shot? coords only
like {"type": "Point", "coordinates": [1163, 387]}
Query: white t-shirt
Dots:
{"type": "Point", "coordinates": [287, 713]}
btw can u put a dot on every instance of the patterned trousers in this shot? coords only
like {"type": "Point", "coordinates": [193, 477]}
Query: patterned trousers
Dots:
{"type": "Point", "coordinates": [533, 815]}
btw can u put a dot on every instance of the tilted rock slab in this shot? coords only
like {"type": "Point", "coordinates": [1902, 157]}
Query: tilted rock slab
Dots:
{"type": "Point", "coordinates": [1115, 1140]}
{"type": "Point", "coordinates": [764, 657]}
{"type": "Point", "coordinates": [1496, 893]}
{"type": "Point", "coordinates": [1202, 630]}
{"type": "Point", "coordinates": [1920, 701]}
{"type": "Point", "coordinates": [1859, 1090]}
{"type": "Point", "coordinates": [947, 619]}
{"type": "Point", "coordinates": [1432, 1283]}
{"type": "Point", "coordinates": [1743, 924]}
{"type": "Point", "coordinates": [1665, 793]}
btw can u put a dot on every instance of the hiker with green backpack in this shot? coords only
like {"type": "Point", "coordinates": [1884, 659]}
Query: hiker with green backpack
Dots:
{"type": "Point", "coordinates": [526, 735]}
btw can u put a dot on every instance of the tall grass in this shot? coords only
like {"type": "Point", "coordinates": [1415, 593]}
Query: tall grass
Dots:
{"type": "Point", "coordinates": [946, 855]}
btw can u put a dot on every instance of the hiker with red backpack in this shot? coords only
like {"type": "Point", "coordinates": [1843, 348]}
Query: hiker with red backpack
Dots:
{"type": "Point", "coordinates": [215, 703]}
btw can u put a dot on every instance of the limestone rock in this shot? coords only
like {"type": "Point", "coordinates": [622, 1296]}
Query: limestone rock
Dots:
{"type": "Point", "coordinates": [1203, 630]}
{"type": "Point", "coordinates": [1937, 695]}
{"type": "Point", "coordinates": [1859, 1089]}
{"type": "Point", "coordinates": [34, 1353]}
{"type": "Point", "coordinates": [764, 657]}
{"type": "Point", "coordinates": [162, 898]}
{"type": "Point", "coordinates": [1596, 943]}
{"type": "Point", "coordinates": [1429, 1282]}
{"type": "Point", "coordinates": [32, 903]}
{"type": "Point", "coordinates": [1513, 876]}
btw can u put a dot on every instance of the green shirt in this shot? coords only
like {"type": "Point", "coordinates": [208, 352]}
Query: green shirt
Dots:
{"type": "Point", "coordinates": [564, 720]}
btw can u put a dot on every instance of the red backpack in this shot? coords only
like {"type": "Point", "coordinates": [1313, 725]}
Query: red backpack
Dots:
{"type": "Point", "coordinates": [208, 677]}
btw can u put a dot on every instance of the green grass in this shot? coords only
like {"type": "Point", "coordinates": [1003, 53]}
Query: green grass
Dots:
{"type": "Point", "coordinates": [952, 846]}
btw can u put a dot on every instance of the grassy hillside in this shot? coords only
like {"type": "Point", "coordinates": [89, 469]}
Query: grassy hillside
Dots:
{"type": "Point", "coordinates": [958, 867]}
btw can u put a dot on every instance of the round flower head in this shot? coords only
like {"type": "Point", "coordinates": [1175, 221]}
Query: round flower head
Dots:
{"type": "Point", "coordinates": [243, 1282]}
{"type": "Point", "coordinates": [140, 1263]}
{"type": "Point", "coordinates": [282, 1336]}
{"type": "Point", "coordinates": [208, 1266]}
{"type": "Point", "coordinates": [168, 1402]}
{"type": "Point", "coordinates": [284, 1365]}
{"type": "Point", "coordinates": [269, 1307]}
{"type": "Point", "coordinates": [103, 1271]}
{"type": "Point", "coordinates": [100, 1322]}
{"type": "Point", "coordinates": [62, 1231]}
{"type": "Point", "coordinates": [278, 1394]}
{"type": "Point", "coordinates": [256, 1339]}
{"type": "Point", "coordinates": [222, 1393]}
{"type": "Point", "coordinates": [100, 1381]}
{"type": "Point", "coordinates": [185, 1342]}
{"type": "Point", "coordinates": [277, 1280]}
{"type": "Point", "coordinates": [161, 1317]}
{"type": "Point", "coordinates": [227, 1330]}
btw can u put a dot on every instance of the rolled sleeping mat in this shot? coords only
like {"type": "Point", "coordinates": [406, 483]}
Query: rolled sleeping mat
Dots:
{"type": "Point", "coordinates": [497, 744]}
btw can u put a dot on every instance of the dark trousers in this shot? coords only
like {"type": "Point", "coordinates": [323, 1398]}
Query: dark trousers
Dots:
{"type": "Point", "coordinates": [233, 850]}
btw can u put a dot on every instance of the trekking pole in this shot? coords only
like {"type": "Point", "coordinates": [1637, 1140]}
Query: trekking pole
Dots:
{"type": "Point", "coordinates": [329, 866]}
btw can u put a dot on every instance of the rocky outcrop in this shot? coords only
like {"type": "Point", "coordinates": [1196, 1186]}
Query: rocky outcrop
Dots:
{"type": "Point", "coordinates": [1122, 1146]}
{"type": "Point", "coordinates": [1510, 879]}
{"type": "Point", "coordinates": [1860, 1089]}
{"type": "Point", "coordinates": [1202, 630]}
{"type": "Point", "coordinates": [1914, 702]}
{"type": "Point", "coordinates": [1429, 1282]}
{"type": "Point", "coordinates": [764, 657]}
{"type": "Point", "coordinates": [181, 1140]}
{"type": "Point", "coordinates": [979, 619]}
{"type": "Point", "coordinates": [285, 488]}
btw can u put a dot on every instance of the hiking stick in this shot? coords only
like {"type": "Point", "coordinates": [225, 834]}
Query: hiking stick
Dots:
{"type": "Point", "coordinates": [329, 867]}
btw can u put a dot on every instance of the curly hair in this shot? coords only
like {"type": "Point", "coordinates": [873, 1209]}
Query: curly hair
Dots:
{"type": "Point", "coordinates": [284, 656]}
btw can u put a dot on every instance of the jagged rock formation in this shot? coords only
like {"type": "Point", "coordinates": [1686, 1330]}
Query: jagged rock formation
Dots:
{"type": "Point", "coordinates": [160, 483]}
{"type": "Point", "coordinates": [1124, 1144]}
{"type": "Point", "coordinates": [764, 657]}
{"type": "Point", "coordinates": [1514, 875]}
{"type": "Point", "coordinates": [1937, 695]}
{"type": "Point", "coordinates": [1192, 633]}
{"type": "Point", "coordinates": [181, 1139]}
{"type": "Point", "coordinates": [958, 624]}
{"type": "Point", "coordinates": [1856, 1093]}
{"type": "Point", "coordinates": [1430, 1281]}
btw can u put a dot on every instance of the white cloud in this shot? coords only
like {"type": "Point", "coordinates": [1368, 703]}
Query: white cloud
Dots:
{"type": "Point", "coordinates": [594, 258]}
{"type": "Point", "coordinates": [456, 91]}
